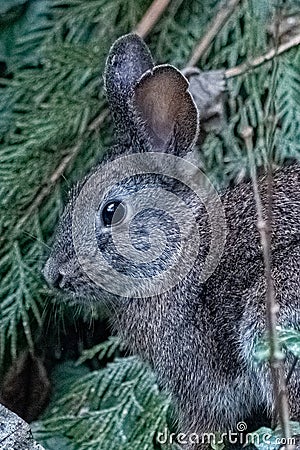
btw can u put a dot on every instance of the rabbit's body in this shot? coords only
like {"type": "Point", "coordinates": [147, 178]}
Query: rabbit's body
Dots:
{"type": "Point", "coordinates": [201, 343]}
{"type": "Point", "coordinates": [197, 335]}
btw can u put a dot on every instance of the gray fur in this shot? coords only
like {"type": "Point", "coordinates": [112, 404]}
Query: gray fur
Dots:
{"type": "Point", "coordinates": [198, 337]}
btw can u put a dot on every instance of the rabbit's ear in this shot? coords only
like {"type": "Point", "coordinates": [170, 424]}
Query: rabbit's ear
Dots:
{"type": "Point", "coordinates": [128, 59]}
{"type": "Point", "coordinates": [162, 102]}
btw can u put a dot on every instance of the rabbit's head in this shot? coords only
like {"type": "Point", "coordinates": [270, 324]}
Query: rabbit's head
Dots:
{"type": "Point", "coordinates": [130, 228]}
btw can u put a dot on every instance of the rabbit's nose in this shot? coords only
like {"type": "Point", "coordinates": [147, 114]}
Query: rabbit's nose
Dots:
{"type": "Point", "coordinates": [54, 275]}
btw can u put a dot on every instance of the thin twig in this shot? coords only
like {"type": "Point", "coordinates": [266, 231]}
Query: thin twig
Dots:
{"type": "Point", "coordinates": [151, 16]}
{"type": "Point", "coordinates": [59, 171]}
{"type": "Point", "coordinates": [96, 123]}
{"type": "Point", "coordinates": [213, 29]}
{"type": "Point", "coordinates": [291, 371]}
{"type": "Point", "coordinates": [276, 356]}
{"type": "Point", "coordinates": [258, 61]}
{"type": "Point", "coordinates": [264, 226]}
{"type": "Point", "coordinates": [45, 190]}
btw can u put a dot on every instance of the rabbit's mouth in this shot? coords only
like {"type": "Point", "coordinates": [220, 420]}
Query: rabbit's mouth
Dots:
{"type": "Point", "coordinates": [72, 285]}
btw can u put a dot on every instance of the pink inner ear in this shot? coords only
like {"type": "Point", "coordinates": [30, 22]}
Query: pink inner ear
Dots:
{"type": "Point", "coordinates": [162, 101]}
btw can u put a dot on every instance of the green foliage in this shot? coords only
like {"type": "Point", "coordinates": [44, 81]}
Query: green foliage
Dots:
{"type": "Point", "coordinates": [268, 439]}
{"type": "Point", "coordinates": [288, 106]}
{"type": "Point", "coordinates": [18, 299]}
{"type": "Point", "coordinates": [107, 408]}
{"type": "Point", "coordinates": [51, 99]}
{"type": "Point", "coordinates": [288, 339]}
{"type": "Point", "coordinates": [106, 349]}
{"type": "Point", "coordinates": [19, 18]}
{"type": "Point", "coordinates": [251, 95]}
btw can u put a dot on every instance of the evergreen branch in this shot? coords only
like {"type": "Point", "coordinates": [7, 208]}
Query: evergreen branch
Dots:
{"type": "Point", "coordinates": [260, 60]}
{"type": "Point", "coordinates": [59, 171]}
{"type": "Point", "coordinates": [151, 16]}
{"type": "Point", "coordinates": [104, 349]}
{"type": "Point", "coordinates": [213, 29]}
{"type": "Point", "coordinates": [143, 28]}
{"type": "Point", "coordinates": [45, 191]}
{"type": "Point", "coordinates": [264, 226]}
{"type": "Point", "coordinates": [90, 410]}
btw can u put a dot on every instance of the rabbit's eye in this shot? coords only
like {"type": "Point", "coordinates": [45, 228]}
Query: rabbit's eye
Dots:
{"type": "Point", "coordinates": [113, 213]}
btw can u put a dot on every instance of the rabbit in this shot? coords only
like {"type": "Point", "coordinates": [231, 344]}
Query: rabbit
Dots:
{"type": "Point", "coordinates": [197, 333]}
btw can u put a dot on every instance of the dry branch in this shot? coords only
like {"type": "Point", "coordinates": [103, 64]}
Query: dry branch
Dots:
{"type": "Point", "coordinates": [256, 62]}
{"type": "Point", "coordinates": [46, 190]}
{"type": "Point", "coordinates": [213, 28]}
{"type": "Point", "coordinates": [151, 17]}
{"type": "Point", "coordinates": [96, 123]}
{"type": "Point", "coordinates": [264, 225]}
